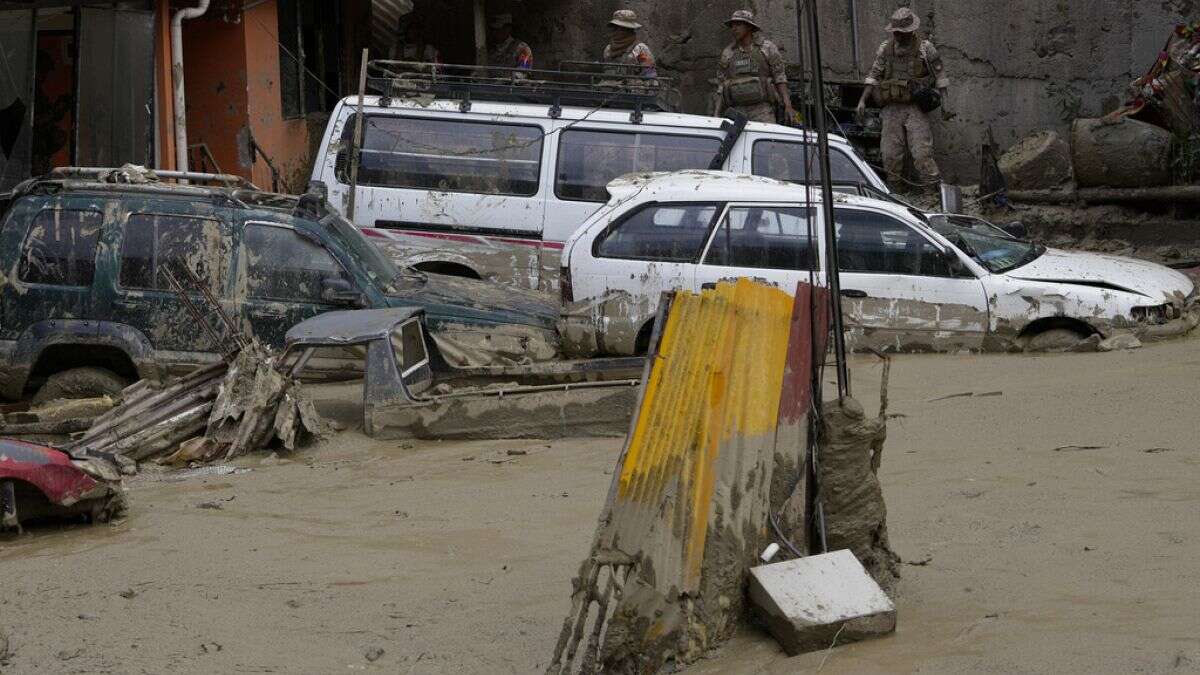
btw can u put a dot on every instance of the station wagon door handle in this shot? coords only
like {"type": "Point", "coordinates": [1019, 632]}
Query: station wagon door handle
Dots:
{"type": "Point", "coordinates": [853, 293]}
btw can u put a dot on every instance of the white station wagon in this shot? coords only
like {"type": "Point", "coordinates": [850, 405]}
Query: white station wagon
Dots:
{"type": "Point", "coordinates": [906, 284]}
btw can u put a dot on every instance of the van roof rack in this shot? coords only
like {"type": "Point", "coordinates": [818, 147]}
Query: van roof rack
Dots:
{"type": "Point", "coordinates": [134, 174]}
{"type": "Point", "coordinates": [576, 83]}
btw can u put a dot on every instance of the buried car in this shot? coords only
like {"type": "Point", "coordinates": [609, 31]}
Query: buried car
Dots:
{"type": "Point", "coordinates": [38, 482]}
{"type": "Point", "coordinates": [86, 305]}
{"type": "Point", "coordinates": [906, 285]}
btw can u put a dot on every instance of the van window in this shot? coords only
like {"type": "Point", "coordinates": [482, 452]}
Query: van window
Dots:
{"type": "Point", "coordinates": [153, 242]}
{"type": "Point", "coordinates": [662, 232]}
{"type": "Point", "coordinates": [446, 155]}
{"type": "Point", "coordinates": [589, 160]}
{"type": "Point", "coordinates": [60, 248]}
{"type": "Point", "coordinates": [784, 160]}
{"type": "Point", "coordinates": [281, 265]}
{"type": "Point", "coordinates": [876, 243]}
{"type": "Point", "coordinates": [765, 237]}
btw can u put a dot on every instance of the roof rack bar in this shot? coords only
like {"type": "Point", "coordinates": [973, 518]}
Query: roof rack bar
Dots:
{"type": "Point", "coordinates": [99, 171]}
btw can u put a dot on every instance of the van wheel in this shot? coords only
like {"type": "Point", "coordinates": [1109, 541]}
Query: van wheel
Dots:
{"type": "Point", "coordinates": [80, 383]}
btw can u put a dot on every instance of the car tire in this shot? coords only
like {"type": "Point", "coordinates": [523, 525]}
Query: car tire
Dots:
{"type": "Point", "coordinates": [1053, 340]}
{"type": "Point", "coordinates": [80, 383]}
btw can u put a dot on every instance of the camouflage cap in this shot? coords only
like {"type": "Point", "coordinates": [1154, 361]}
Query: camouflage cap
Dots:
{"type": "Point", "coordinates": [625, 18]}
{"type": "Point", "coordinates": [500, 20]}
{"type": "Point", "coordinates": [904, 21]}
{"type": "Point", "coordinates": [743, 16]}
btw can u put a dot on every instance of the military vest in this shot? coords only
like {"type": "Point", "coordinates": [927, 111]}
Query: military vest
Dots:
{"type": "Point", "coordinates": [902, 75]}
{"type": "Point", "coordinates": [621, 61]}
{"type": "Point", "coordinates": [748, 77]}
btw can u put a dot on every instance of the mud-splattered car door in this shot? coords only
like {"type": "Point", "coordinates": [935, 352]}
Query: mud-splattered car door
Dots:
{"type": "Point", "coordinates": [901, 292]}
{"type": "Point", "coordinates": [52, 274]}
{"type": "Point", "coordinates": [768, 243]}
{"type": "Point", "coordinates": [154, 239]}
{"type": "Point", "coordinates": [285, 278]}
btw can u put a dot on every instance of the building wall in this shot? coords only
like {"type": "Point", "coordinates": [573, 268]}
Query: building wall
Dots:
{"type": "Point", "coordinates": [215, 76]}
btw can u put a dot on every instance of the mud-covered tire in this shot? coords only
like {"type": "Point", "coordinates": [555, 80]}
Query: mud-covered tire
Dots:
{"type": "Point", "coordinates": [1054, 340]}
{"type": "Point", "coordinates": [80, 383]}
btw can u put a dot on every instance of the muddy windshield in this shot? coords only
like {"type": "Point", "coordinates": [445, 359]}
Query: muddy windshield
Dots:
{"type": "Point", "coordinates": [377, 265]}
{"type": "Point", "coordinates": [997, 254]}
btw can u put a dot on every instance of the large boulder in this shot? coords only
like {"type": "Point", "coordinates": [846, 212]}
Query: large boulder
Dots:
{"type": "Point", "coordinates": [1120, 153]}
{"type": "Point", "coordinates": [1037, 162]}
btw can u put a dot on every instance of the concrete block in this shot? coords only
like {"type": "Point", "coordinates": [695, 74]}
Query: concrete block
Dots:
{"type": "Point", "coordinates": [806, 603]}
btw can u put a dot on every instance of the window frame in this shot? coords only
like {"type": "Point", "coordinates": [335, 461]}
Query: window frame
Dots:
{"type": "Point", "coordinates": [221, 224]}
{"type": "Point", "coordinates": [862, 177]}
{"type": "Point", "coordinates": [290, 228]}
{"type": "Point", "coordinates": [562, 136]}
{"type": "Point", "coordinates": [367, 116]}
{"type": "Point", "coordinates": [616, 224]}
{"type": "Point", "coordinates": [29, 230]}
{"type": "Point", "coordinates": [814, 244]}
{"type": "Point", "coordinates": [914, 230]}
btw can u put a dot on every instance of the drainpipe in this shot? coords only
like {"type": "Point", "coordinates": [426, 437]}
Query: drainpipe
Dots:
{"type": "Point", "coordinates": [181, 142]}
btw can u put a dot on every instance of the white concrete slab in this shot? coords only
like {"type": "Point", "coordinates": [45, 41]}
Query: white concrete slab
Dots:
{"type": "Point", "coordinates": [806, 602]}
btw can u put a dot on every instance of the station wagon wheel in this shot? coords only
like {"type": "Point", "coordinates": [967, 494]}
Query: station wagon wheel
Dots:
{"type": "Point", "coordinates": [88, 382]}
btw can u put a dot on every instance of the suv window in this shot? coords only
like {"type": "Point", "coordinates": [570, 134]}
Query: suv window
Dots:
{"type": "Point", "coordinates": [663, 232]}
{"type": "Point", "coordinates": [876, 243]}
{"type": "Point", "coordinates": [282, 265]}
{"type": "Point", "coordinates": [589, 160]}
{"type": "Point", "coordinates": [453, 156]}
{"type": "Point", "coordinates": [60, 248]}
{"type": "Point", "coordinates": [784, 160]}
{"type": "Point", "coordinates": [152, 242]}
{"type": "Point", "coordinates": [766, 237]}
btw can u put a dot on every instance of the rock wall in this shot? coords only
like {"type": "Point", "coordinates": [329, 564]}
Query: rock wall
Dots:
{"type": "Point", "coordinates": [1017, 67]}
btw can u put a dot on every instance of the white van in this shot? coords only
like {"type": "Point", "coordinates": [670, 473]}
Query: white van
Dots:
{"type": "Point", "coordinates": [493, 190]}
{"type": "Point", "coordinates": [909, 282]}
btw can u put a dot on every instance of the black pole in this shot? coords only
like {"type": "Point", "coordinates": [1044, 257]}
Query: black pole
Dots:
{"type": "Point", "coordinates": [831, 252]}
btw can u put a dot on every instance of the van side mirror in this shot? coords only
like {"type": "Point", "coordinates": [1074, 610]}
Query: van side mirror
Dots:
{"type": "Point", "coordinates": [339, 291]}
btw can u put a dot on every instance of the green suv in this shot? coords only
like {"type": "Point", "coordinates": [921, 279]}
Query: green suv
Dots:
{"type": "Point", "coordinates": [85, 306]}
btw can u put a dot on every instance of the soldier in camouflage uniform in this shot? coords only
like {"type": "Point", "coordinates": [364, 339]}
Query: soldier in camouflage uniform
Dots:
{"type": "Point", "coordinates": [903, 65]}
{"type": "Point", "coordinates": [507, 51]}
{"type": "Point", "coordinates": [623, 48]}
{"type": "Point", "coordinates": [751, 75]}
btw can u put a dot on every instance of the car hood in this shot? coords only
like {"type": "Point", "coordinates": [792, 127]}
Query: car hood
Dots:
{"type": "Point", "coordinates": [1105, 271]}
{"type": "Point", "coordinates": [473, 300]}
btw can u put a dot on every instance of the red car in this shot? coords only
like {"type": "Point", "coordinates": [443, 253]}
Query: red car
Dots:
{"type": "Point", "coordinates": [37, 481]}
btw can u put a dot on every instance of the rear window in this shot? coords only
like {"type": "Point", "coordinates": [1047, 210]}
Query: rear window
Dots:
{"type": "Point", "coordinates": [60, 248]}
{"type": "Point", "coordinates": [589, 160]}
{"type": "Point", "coordinates": [446, 155]}
{"type": "Point", "coordinates": [784, 160]}
{"type": "Point", "coordinates": [660, 232]}
{"type": "Point", "coordinates": [154, 243]}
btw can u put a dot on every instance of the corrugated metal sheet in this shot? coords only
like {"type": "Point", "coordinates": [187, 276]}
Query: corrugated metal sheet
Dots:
{"type": "Point", "coordinates": [718, 444]}
{"type": "Point", "coordinates": [385, 24]}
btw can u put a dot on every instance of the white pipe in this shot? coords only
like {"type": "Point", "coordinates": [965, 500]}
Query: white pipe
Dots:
{"type": "Point", "coordinates": [181, 138]}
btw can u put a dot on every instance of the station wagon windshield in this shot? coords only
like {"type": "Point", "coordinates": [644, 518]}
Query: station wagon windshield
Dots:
{"type": "Point", "coordinates": [997, 254]}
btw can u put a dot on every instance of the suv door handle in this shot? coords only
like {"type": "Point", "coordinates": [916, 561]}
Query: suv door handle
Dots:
{"type": "Point", "coordinates": [853, 293]}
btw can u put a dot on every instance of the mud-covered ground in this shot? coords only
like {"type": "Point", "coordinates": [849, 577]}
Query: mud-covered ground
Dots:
{"type": "Point", "coordinates": [1050, 521]}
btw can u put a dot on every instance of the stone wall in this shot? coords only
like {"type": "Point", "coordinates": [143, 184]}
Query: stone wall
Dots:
{"type": "Point", "coordinates": [1017, 67]}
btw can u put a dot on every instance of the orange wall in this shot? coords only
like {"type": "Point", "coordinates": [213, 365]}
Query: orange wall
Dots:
{"type": "Point", "coordinates": [214, 66]}
{"type": "Point", "coordinates": [286, 142]}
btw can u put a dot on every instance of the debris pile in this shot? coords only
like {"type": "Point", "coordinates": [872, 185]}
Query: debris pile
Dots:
{"type": "Point", "coordinates": [220, 412]}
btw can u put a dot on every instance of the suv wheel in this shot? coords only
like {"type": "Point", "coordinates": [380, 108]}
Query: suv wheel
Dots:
{"type": "Point", "coordinates": [80, 383]}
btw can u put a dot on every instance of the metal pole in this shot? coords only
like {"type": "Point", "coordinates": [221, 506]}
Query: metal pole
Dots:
{"type": "Point", "coordinates": [831, 252]}
{"type": "Point", "coordinates": [481, 50]}
{"type": "Point", "coordinates": [854, 37]}
{"type": "Point", "coordinates": [356, 144]}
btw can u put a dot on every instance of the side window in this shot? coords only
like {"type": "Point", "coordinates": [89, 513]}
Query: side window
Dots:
{"type": "Point", "coordinates": [453, 156]}
{"type": "Point", "coordinates": [662, 232]}
{"type": "Point", "coordinates": [765, 237]}
{"type": "Point", "coordinates": [876, 243]}
{"type": "Point", "coordinates": [281, 265]}
{"type": "Point", "coordinates": [60, 248]}
{"type": "Point", "coordinates": [784, 160]}
{"type": "Point", "coordinates": [589, 160]}
{"type": "Point", "coordinates": [153, 243]}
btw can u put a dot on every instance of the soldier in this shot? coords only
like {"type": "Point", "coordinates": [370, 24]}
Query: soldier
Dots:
{"type": "Point", "coordinates": [905, 68]}
{"type": "Point", "coordinates": [624, 49]}
{"type": "Point", "coordinates": [751, 76]}
{"type": "Point", "coordinates": [507, 51]}
{"type": "Point", "coordinates": [412, 45]}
